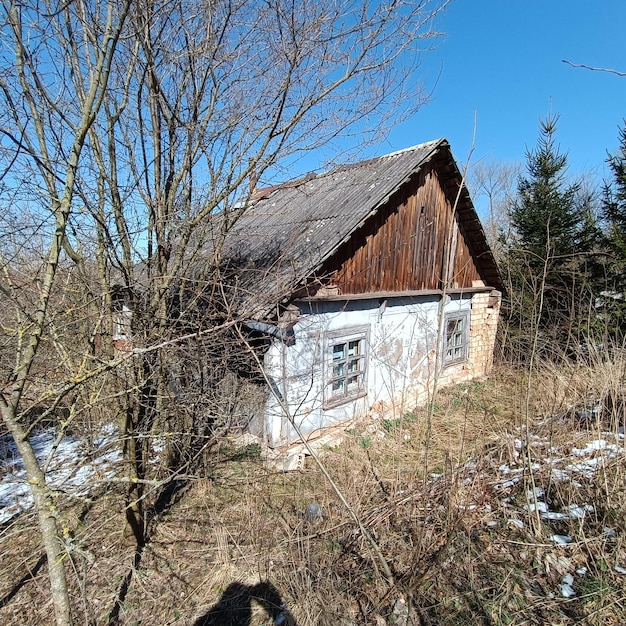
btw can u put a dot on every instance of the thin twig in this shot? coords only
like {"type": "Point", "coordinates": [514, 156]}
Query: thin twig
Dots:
{"type": "Point", "coordinates": [595, 69]}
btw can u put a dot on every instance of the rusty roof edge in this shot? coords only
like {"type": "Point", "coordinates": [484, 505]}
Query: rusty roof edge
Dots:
{"type": "Point", "coordinates": [413, 293]}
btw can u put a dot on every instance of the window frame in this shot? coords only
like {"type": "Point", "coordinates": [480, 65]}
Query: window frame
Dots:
{"type": "Point", "coordinates": [345, 336]}
{"type": "Point", "coordinates": [122, 322]}
{"type": "Point", "coordinates": [458, 353]}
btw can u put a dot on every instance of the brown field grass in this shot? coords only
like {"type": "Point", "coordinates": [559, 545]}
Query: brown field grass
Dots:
{"type": "Point", "coordinates": [460, 536]}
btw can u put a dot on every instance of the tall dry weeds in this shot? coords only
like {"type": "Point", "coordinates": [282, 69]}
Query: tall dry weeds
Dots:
{"type": "Point", "coordinates": [458, 539]}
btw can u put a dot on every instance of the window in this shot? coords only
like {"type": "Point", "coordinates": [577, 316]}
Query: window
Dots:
{"type": "Point", "coordinates": [457, 338]}
{"type": "Point", "coordinates": [346, 365]}
{"type": "Point", "coordinates": [122, 320]}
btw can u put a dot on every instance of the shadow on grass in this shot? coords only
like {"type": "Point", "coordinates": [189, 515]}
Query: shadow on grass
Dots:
{"type": "Point", "coordinates": [235, 606]}
{"type": "Point", "coordinates": [168, 496]}
{"type": "Point", "coordinates": [30, 575]}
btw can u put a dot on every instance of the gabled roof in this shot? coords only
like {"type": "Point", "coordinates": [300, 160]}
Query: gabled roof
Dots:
{"type": "Point", "coordinates": [292, 230]}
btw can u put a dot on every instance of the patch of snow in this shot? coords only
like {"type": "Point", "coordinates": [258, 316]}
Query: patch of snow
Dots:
{"type": "Point", "coordinates": [588, 467]}
{"type": "Point", "coordinates": [159, 446]}
{"type": "Point", "coordinates": [578, 512]}
{"type": "Point", "coordinates": [572, 511]}
{"type": "Point", "coordinates": [559, 475]}
{"type": "Point", "coordinates": [592, 446]}
{"type": "Point", "coordinates": [553, 460]}
{"type": "Point", "coordinates": [620, 570]}
{"type": "Point", "coordinates": [507, 483]}
{"type": "Point", "coordinates": [542, 507]}
{"type": "Point", "coordinates": [71, 465]}
{"type": "Point", "coordinates": [561, 540]}
{"type": "Point", "coordinates": [553, 515]}
{"type": "Point", "coordinates": [516, 522]}
{"type": "Point", "coordinates": [563, 476]}
{"type": "Point", "coordinates": [566, 589]}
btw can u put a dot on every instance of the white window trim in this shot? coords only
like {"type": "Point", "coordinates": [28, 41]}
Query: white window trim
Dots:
{"type": "Point", "coordinates": [463, 354]}
{"type": "Point", "coordinates": [336, 337]}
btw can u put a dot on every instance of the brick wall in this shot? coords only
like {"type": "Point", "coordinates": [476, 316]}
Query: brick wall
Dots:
{"type": "Point", "coordinates": [483, 326]}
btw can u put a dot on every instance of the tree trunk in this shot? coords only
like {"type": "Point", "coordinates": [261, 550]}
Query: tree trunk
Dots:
{"type": "Point", "coordinates": [47, 514]}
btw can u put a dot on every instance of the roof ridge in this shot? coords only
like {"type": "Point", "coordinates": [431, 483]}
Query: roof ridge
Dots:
{"type": "Point", "coordinates": [264, 192]}
{"type": "Point", "coordinates": [418, 146]}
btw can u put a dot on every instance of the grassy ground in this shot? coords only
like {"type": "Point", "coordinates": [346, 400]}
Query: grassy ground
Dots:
{"type": "Point", "coordinates": [452, 494]}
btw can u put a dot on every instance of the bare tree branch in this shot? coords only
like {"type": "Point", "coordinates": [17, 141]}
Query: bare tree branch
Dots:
{"type": "Point", "coordinates": [595, 69]}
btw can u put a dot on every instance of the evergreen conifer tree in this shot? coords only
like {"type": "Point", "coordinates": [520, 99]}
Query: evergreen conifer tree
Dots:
{"type": "Point", "coordinates": [614, 215]}
{"type": "Point", "coordinates": [551, 250]}
{"type": "Point", "coordinates": [614, 207]}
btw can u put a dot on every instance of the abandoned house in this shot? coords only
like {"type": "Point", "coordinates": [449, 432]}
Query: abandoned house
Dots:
{"type": "Point", "coordinates": [370, 282]}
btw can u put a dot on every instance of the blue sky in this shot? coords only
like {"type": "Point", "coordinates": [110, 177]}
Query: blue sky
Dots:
{"type": "Point", "coordinates": [501, 60]}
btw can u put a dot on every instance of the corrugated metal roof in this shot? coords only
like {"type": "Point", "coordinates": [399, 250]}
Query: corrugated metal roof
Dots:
{"type": "Point", "coordinates": [286, 235]}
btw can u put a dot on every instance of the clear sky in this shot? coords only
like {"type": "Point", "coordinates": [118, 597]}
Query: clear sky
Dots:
{"type": "Point", "coordinates": [501, 61]}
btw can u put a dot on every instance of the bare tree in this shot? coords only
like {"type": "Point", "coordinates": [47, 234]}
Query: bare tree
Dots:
{"type": "Point", "coordinates": [208, 99]}
{"type": "Point", "coordinates": [496, 182]}
{"type": "Point", "coordinates": [132, 132]}
{"type": "Point", "coordinates": [50, 99]}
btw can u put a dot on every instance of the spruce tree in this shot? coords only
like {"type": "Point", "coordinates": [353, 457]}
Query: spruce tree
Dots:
{"type": "Point", "coordinates": [614, 215]}
{"type": "Point", "coordinates": [554, 235]}
{"type": "Point", "coordinates": [544, 217]}
{"type": "Point", "coordinates": [614, 207]}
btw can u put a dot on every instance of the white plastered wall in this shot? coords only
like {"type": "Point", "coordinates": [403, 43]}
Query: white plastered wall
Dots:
{"type": "Point", "coordinates": [401, 358]}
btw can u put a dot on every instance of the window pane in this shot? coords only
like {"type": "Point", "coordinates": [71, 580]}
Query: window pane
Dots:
{"type": "Point", "coordinates": [346, 368]}
{"type": "Point", "coordinates": [354, 348]}
{"type": "Point", "coordinates": [338, 385]}
{"type": "Point", "coordinates": [456, 338]}
{"type": "Point", "coordinates": [353, 384]}
{"type": "Point", "coordinates": [339, 351]}
{"type": "Point", "coordinates": [354, 365]}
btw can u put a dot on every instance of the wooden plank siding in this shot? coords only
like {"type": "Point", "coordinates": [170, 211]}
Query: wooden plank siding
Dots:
{"type": "Point", "coordinates": [405, 245]}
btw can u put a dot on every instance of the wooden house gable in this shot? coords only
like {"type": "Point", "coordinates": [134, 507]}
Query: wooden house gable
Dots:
{"type": "Point", "coordinates": [399, 223]}
{"type": "Point", "coordinates": [416, 242]}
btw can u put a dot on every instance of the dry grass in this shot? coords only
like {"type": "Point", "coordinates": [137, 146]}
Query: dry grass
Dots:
{"type": "Point", "coordinates": [461, 544]}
